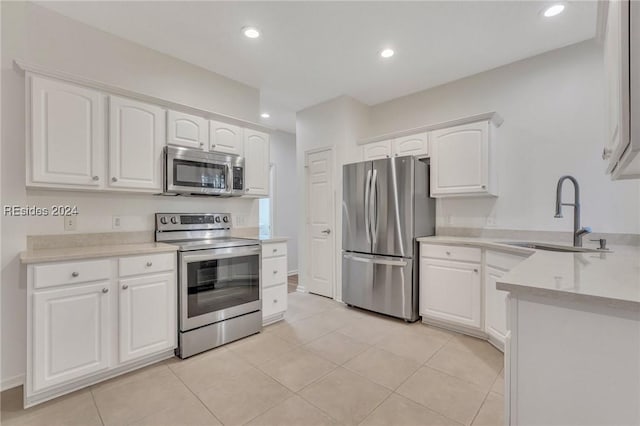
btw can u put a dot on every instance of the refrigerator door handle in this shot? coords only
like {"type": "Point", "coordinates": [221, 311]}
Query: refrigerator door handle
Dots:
{"type": "Point", "coordinates": [373, 201]}
{"type": "Point", "coordinates": [376, 261]}
{"type": "Point", "coordinates": [367, 194]}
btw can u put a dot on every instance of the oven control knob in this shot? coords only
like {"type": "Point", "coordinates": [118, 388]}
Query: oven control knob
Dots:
{"type": "Point", "coordinates": [163, 220]}
{"type": "Point", "coordinates": [225, 219]}
{"type": "Point", "coordinates": [217, 219]}
{"type": "Point", "coordinates": [174, 220]}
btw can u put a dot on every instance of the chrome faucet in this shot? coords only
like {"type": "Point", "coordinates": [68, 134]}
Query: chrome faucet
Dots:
{"type": "Point", "coordinates": [578, 232]}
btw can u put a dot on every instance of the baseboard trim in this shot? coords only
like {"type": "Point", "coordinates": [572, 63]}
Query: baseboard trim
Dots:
{"type": "Point", "coordinates": [12, 382]}
{"type": "Point", "coordinates": [294, 272]}
{"type": "Point", "coordinates": [301, 289]}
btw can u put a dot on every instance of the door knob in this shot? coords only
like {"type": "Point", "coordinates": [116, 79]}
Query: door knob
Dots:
{"type": "Point", "coordinates": [114, 179]}
{"type": "Point", "coordinates": [95, 178]}
{"type": "Point", "coordinates": [149, 264]}
{"type": "Point", "coordinates": [74, 274]}
{"type": "Point", "coordinates": [105, 290]}
{"type": "Point", "coordinates": [125, 286]}
{"type": "Point", "coordinates": [326, 231]}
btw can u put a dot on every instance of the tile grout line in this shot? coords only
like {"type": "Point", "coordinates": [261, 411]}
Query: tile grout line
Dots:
{"type": "Point", "coordinates": [479, 408]}
{"type": "Point", "coordinates": [196, 395]}
{"type": "Point", "coordinates": [93, 398]}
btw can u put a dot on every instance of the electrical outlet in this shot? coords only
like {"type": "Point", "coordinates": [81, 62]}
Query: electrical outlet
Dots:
{"type": "Point", "coordinates": [116, 222]}
{"type": "Point", "coordinates": [70, 223]}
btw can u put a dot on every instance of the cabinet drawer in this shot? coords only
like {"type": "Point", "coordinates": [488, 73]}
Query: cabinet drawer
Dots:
{"type": "Point", "coordinates": [274, 300]}
{"type": "Point", "coordinates": [274, 271]}
{"type": "Point", "coordinates": [70, 273]}
{"type": "Point", "coordinates": [503, 261]}
{"type": "Point", "coordinates": [274, 249]}
{"type": "Point", "coordinates": [465, 254]}
{"type": "Point", "coordinates": [146, 264]}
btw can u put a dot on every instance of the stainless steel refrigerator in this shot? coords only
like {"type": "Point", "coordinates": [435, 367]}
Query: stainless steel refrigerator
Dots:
{"type": "Point", "coordinates": [385, 206]}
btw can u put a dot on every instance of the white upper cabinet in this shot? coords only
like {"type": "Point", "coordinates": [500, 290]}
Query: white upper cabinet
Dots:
{"type": "Point", "coordinates": [417, 145]}
{"type": "Point", "coordinates": [67, 135]}
{"type": "Point", "coordinates": [463, 161]}
{"type": "Point", "coordinates": [136, 138]}
{"type": "Point", "coordinates": [147, 307]}
{"type": "Point", "coordinates": [225, 138]}
{"type": "Point", "coordinates": [377, 150]}
{"type": "Point", "coordinates": [256, 162]}
{"type": "Point", "coordinates": [187, 130]}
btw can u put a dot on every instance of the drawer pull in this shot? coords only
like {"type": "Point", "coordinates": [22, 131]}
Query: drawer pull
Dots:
{"type": "Point", "coordinates": [275, 250]}
{"type": "Point", "coordinates": [125, 286]}
{"type": "Point", "coordinates": [275, 300]}
{"type": "Point", "coordinates": [448, 253]}
{"type": "Point", "coordinates": [149, 264]}
{"type": "Point", "coordinates": [105, 290]}
{"type": "Point", "coordinates": [475, 270]}
{"type": "Point", "coordinates": [75, 274]}
{"type": "Point", "coordinates": [275, 272]}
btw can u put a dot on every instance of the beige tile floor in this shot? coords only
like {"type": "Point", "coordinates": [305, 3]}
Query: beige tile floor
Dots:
{"type": "Point", "coordinates": [326, 364]}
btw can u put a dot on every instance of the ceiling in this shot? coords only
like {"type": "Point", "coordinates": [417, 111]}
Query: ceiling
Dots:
{"type": "Point", "coordinates": [313, 51]}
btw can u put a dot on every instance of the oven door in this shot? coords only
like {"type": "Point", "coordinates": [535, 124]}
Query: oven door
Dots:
{"type": "Point", "coordinates": [189, 171]}
{"type": "Point", "coordinates": [218, 284]}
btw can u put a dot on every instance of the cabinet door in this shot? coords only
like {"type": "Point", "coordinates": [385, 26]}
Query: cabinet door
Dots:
{"type": "Point", "coordinates": [71, 329]}
{"type": "Point", "coordinates": [256, 162]}
{"type": "Point", "coordinates": [148, 322]}
{"type": "Point", "coordinates": [225, 138]}
{"type": "Point", "coordinates": [274, 301]}
{"type": "Point", "coordinates": [136, 137]}
{"type": "Point", "coordinates": [376, 150]}
{"type": "Point", "coordinates": [67, 134]}
{"type": "Point", "coordinates": [616, 65]}
{"type": "Point", "coordinates": [495, 306]}
{"type": "Point", "coordinates": [451, 291]}
{"type": "Point", "coordinates": [411, 145]}
{"type": "Point", "coordinates": [187, 130]}
{"type": "Point", "coordinates": [460, 162]}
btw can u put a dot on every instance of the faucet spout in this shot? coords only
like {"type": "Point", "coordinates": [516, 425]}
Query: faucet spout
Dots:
{"type": "Point", "coordinates": [578, 232]}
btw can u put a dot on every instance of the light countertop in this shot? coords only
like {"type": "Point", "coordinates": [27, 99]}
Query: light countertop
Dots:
{"type": "Point", "coordinates": [604, 277]}
{"type": "Point", "coordinates": [88, 252]}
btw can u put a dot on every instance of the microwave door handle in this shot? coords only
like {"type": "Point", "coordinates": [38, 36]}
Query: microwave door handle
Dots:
{"type": "Point", "coordinates": [229, 177]}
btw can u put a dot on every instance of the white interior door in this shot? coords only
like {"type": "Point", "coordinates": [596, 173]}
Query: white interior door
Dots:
{"type": "Point", "coordinates": [320, 223]}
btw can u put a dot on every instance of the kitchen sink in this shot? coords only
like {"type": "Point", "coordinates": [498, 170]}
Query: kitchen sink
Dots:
{"type": "Point", "coordinates": [554, 247]}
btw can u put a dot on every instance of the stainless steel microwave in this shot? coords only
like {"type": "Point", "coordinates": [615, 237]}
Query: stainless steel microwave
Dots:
{"type": "Point", "coordinates": [194, 172]}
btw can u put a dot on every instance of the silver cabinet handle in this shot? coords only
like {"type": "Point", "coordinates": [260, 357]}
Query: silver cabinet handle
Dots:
{"type": "Point", "coordinates": [95, 178]}
{"type": "Point", "coordinates": [275, 250]}
{"type": "Point", "coordinates": [75, 274]}
{"type": "Point", "coordinates": [149, 264]}
{"type": "Point", "coordinates": [326, 231]}
{"type": "Point", "coordinates": [114, 179]}
{"type": "Point", "coordinates": [475, 270]}
{"type": "Point", "coordinates": [275, 300]}
{"type": "Point", "coordinates": [125, 286]}
{"type": "Point", "coordinates": [246, 190]}
{"type": "Point", "coordinates": [275, 272]}
{"type": "Point", "coordinates": [448, 253]}
{"type": "Point", "coordinates": [105, 290]}
{"type": "Point", "coordinates": [484, 186]}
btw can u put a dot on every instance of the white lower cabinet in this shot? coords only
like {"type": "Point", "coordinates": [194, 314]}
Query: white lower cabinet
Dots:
{"type": "Point", "coordinates": [85, 327]}
{"type": "Point", "coordinates": [274, 281]}
{"type": "Point", "coordinates": [496, 307]}
{"type": "Point", "coordinates": [147, 310]}
{"type": "Point", "coordinates": [70, 333]}
{"type": "Point", "coordinates": [458, 289]}
{"type": "Point", "coordinates": [451, 291]}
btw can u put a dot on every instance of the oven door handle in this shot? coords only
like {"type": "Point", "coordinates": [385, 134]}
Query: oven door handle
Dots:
{"type": "Point", "coordinates": [212, 255]}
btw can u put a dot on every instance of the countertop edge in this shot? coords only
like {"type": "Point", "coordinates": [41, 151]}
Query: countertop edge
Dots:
{"type": "Point", "coordinates": [93, 252]}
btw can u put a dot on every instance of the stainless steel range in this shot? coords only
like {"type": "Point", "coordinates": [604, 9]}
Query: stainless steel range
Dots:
{"type": "Point", "coordinates": [219, 290]}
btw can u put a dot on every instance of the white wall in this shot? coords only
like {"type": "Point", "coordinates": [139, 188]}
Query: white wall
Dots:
{"type": "Point", "coordinates": [42, 37]}
{"type": "Point", "coordinates": [336, 123]}
{"type": "Point", "coordinates": [285, 221]}
{"type": "Point", "coordinates": [553, 107]}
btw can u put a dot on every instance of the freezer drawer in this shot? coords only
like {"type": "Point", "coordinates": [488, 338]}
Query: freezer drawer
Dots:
{"type": "Point", "coordinates": [380, 284]}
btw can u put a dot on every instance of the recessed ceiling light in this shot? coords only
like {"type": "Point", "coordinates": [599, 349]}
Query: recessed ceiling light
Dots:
{"type": "Point", "coordinates": [553, 10]}
{"type": "Point", "coordinates": [251, 32]}
{"type": "Point", "coordinates": [387, 53]}
{"type": "Point", "coordinates": [265, 115]}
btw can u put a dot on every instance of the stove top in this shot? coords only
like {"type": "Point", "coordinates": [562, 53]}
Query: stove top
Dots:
{"type": "Point", "coordinates": [213, 243]}
{"type": "Point", "coordinates": [198, 231]}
